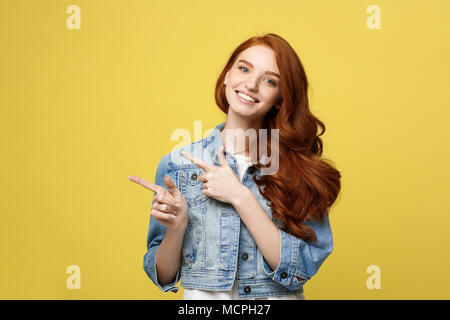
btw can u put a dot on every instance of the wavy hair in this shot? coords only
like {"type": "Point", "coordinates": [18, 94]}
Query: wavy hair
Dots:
{"type": "Point", "coordinates": [305, 184]}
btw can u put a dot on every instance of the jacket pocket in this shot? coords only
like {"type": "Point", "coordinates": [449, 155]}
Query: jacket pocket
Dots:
{"type": "Point", "coordinates": [190, 186]}
{"type": "Point", "coordinates": [189, 245]}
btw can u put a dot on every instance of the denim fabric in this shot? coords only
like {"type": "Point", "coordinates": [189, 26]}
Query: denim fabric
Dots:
{"type": "Point", "coordinates": [215, 239]}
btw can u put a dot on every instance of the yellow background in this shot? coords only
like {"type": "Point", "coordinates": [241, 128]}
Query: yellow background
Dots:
{"type": "Point", "coordinates": [82, 109]}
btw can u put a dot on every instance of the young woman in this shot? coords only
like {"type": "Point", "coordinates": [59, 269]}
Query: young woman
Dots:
{"type": "Point", "coordinates": [222, 224]}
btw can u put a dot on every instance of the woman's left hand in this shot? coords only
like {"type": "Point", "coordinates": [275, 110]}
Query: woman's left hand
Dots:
{"type": "Point", "coordinates": [220, 183]}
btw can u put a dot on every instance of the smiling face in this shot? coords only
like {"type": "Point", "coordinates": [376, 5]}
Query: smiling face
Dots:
{"type": "Point", "coordinates": [253, 77]}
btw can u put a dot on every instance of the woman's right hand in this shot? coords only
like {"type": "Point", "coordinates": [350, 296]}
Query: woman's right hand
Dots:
{"type": "Point", "coordinates": [169, 206]}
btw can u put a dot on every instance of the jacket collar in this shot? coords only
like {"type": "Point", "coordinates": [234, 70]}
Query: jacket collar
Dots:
{"type": "Point", "coordinates": [216, 143]}
{"type": "Point", "coordinates": [215, 140]}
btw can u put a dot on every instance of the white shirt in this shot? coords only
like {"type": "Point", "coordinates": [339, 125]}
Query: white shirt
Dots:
{"type": "Point", "coordinates": [199, 294]}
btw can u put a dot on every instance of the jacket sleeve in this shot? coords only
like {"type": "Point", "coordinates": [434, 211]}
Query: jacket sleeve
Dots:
{"type": "Point", "coordinates": [155, 236]}
{"type": "Point", "coordinates": [300, 258]}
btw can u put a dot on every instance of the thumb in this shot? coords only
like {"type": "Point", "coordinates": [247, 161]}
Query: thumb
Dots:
{"type": "Point", "coordinates": [170, 184]}
{"type": "Point", "coordinates": [222, 158]}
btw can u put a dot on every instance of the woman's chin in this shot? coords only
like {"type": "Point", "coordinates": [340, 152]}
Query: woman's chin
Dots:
{"type": "Point", "coordinates": [242, 109]}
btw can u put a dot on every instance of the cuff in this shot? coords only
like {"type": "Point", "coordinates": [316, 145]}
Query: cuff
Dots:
{"type": "Point", "coordinates": [150, 270]}
{"type": "Point", "coordinates": [289, 267]}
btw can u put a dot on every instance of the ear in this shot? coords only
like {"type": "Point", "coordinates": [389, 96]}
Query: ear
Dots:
{"type": "Point", "coordinates": [226, 78]}
{"type": "Point", "coordinates": [279, 103]}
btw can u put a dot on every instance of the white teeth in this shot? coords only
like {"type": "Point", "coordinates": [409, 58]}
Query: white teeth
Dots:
{"type": "Point", "coordinates": [246, 97]}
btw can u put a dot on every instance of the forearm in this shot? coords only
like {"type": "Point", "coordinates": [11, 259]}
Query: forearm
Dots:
{"type": "Point", "coordinates": [265, 233]}
{"type": "Point", "coordinates": [168, 256]}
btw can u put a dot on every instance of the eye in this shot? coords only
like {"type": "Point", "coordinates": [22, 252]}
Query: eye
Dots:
{"type": "Point", "coordinates": [271, 82]}
{"type": "Point", "coordinates": [243, 68]}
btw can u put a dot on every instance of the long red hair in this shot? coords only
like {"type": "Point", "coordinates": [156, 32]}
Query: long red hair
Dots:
{"type": "Point", "coordinates": [305, 184]}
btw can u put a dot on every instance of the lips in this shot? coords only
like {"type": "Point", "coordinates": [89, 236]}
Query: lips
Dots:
{"type": "Point", "coordinates": [247, 94]}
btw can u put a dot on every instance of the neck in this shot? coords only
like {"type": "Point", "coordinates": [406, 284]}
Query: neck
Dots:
{"type": "Point", "coordinates": [237, 122]}
{"type": "Point", "coordinates": [234, 122]}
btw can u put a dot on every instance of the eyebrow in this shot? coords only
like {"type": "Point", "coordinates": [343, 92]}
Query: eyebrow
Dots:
{"type": "Point", "coordinates": [267, 72]}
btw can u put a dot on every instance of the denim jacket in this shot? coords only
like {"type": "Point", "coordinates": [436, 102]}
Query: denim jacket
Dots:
{"type": "Point", "coordinates": [217, 246]}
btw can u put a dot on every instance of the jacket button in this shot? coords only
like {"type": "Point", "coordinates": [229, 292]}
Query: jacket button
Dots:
{"type": "Point", "coordinates": [245, 256]}
{"type": "Point", "coordinates": [247, 290]}
{"type": "Point", "coordinates": [284, 275]}
{"type": "Point", "coordinates": [194, 176]}
{"type": "Point", "coordinates": [251, 169]}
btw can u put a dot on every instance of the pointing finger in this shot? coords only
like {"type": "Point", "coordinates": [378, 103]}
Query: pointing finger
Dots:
{"type": "Point", "coordinates": [198, 162]}
{"type": "Point", "coordinates": [146, 184]}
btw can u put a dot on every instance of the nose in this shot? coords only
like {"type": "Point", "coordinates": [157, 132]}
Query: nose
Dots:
{"type": "Point", "coordinates": [252, 84]}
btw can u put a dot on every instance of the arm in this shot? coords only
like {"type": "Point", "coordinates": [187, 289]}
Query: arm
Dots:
{"type": "Point", "coordinates": [167, 260]}
{"type": "Point", "coordinates": [292, 258]}
{"type": "Point", "coordinates": [289, 260]}
{"type": "Point", "coordinates": [163, 258]}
